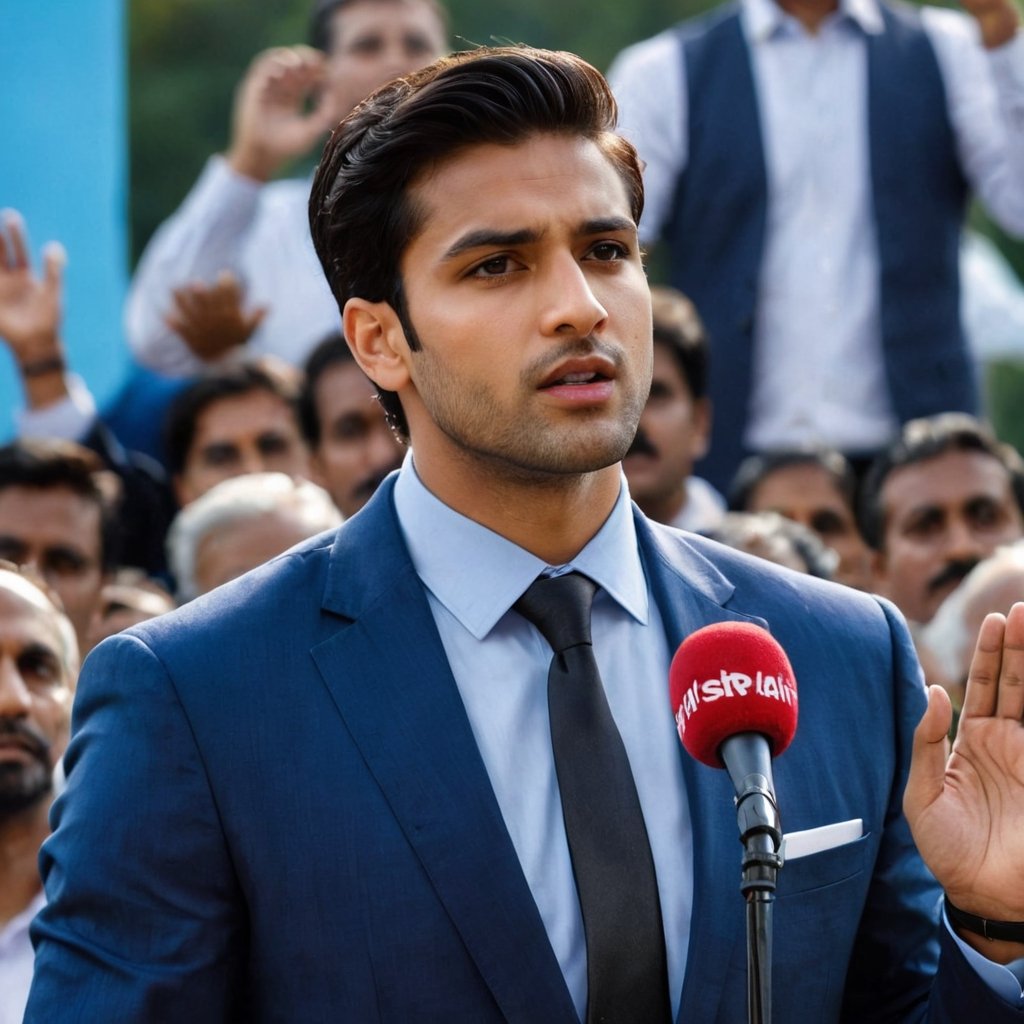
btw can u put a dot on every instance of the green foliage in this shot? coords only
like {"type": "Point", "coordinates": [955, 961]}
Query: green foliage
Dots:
{"type": "Point", "coordinates": [1004, 399]}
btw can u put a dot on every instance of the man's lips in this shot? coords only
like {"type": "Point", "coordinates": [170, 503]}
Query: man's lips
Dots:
{"type": "Point", "coordinates": [12, 750]}
{"type": "Point", "coordinates": [21, 741]}
{"type": "Point", "coordinates": [580, 372]}
{"type": "Point", "coordinates": [590, 379]}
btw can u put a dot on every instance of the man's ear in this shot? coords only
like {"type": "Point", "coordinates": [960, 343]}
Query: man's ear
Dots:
{"type": "Point", "coordinates": [375, 336]}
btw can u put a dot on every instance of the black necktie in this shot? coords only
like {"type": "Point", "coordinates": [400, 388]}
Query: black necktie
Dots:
{"type": "Point", "coordinates": [627, 978]}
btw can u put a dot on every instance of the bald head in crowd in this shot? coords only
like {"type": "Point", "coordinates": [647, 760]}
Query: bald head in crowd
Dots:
{"type": "Point", "coordinates": [241, 523]}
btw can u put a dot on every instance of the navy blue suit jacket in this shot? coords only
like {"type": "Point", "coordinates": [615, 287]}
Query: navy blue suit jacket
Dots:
{"type": "Point", "coordinates": [276, 811]}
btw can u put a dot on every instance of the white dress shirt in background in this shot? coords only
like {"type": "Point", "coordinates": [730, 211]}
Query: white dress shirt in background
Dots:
{"type": "Point", "coordinates": [818, 294]}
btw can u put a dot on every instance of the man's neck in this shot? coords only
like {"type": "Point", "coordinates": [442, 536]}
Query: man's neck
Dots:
{"type": "Point", "coordinates": [552, 516]}
{"type": "Point", "coordinates": [21, 835]}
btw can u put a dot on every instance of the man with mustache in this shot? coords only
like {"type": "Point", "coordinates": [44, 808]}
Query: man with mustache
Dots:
{"type": "Point", "coordinates": [38, 669]}
{"type": "Point", "coordinates": [943, 496]}
{"type": "Point", "coordinates": [676, 421]}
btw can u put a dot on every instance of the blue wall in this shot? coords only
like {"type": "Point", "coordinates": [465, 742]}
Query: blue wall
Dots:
{"type": "Point", "coordinates": [63, 164]}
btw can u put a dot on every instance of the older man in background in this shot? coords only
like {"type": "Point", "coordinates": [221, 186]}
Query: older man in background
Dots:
{"type": "Point", "coordinates": [38, 670]}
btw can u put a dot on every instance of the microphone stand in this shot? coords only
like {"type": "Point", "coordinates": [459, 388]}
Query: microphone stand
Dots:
{"type": "Point", "coordinates": [757, 815]}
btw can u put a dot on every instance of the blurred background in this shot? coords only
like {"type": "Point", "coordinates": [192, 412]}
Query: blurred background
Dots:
{"type": "Point", "coordinates": [113, 106]}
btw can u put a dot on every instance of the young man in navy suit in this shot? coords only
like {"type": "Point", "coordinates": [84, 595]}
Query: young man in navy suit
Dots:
{"type": "Point", "coordinates": [327, 790]}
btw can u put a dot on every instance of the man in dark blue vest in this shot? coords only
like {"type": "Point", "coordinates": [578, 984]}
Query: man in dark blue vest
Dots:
{"type": "Point", "coordinates": [808, 162]}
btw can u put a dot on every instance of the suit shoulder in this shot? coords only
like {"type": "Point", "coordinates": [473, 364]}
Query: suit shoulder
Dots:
{"type": "Point", "coordinates": [760, 584]}
{"type": "Point", "coordinates": [289, 585]}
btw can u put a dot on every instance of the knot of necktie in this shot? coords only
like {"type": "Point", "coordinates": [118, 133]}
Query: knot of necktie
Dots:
{"type": "Point", "coordinates": [559, 606]}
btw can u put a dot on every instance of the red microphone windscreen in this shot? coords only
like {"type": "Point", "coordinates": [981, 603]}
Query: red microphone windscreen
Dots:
{"type": "Point", "coordinates": [728, 678]}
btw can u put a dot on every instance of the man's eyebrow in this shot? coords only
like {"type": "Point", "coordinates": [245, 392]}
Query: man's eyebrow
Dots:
{"type": "Point", "coordinates": [602, 224]}
{"type": "Point", "coordinates": [491, 238]}
{"type": "Point", "coordinates": [488, 237]}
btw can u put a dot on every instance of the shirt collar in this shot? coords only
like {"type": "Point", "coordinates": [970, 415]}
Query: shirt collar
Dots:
{"type": "Point", "coordinates": [443, 542]}
{"type": "Point", "coordinates": [765, 18]}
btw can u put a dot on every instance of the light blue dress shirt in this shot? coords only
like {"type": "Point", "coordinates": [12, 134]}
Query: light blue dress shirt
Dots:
{"type": "Point", "coordinates": [500, 663]}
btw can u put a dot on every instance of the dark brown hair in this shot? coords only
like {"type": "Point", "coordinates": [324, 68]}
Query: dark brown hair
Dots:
{"type": "Point", "coordinates": [360, 215]}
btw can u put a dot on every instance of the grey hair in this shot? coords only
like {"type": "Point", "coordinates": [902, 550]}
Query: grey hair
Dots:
{"type": "Point", "coordinates": [236, 500]}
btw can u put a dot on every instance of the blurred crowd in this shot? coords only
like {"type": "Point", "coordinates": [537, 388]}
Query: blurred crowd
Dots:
{"type": "Point", "coordinates": [814, 397]}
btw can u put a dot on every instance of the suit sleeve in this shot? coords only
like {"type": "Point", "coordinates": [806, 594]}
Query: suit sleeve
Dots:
{"type": "Point", "coordinates": [905, 967]}
{"type": "Point", "coordinates": [143, 921]}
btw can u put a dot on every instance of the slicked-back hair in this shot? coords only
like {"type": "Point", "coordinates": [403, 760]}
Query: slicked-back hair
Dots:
{"type": "Point", "coordinates": [46, 464]}
{"type": "Point", "coordinates": [924, 439]}
{"type": "Point", "coordinates": [188, 405]}
{"type": "Point", "coordinates": [322, 16]}
{"type": "Point", "coordinates": [360, 213]}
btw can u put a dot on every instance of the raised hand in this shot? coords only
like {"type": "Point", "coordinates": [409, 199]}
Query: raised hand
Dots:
{"type": "Point", "coordinates": [211, 318]}
{"type": "Point", "coordinates": [30, 306]}
{"type": "Point", "coordinates": [967, 811]}
{"type": "Point", "coordinates": [280, 110]}
{"type": "Point", "coordinates": [998, 20]}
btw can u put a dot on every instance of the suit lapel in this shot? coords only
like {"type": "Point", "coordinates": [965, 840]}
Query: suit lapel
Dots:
{"type": "Point", "coordinates": [690, 593]}
{"type": "Point", "coordinates": [388, 675]}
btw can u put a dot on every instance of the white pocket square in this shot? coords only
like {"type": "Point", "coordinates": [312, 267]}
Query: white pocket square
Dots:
{"type": "Point", "coordinates": [825, 837]}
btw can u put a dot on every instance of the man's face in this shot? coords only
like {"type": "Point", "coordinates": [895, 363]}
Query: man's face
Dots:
{"type": "Point", "coordinates": [35, 695]}
{"type": "Point", "coordinates": [526, 290]}
{"type": "Point", "coordinates": [941, 517]}
{"type": "Point", "coordinates": [57, 533]}
{"type": "Point", "coordinates": [375, 41]}
{"type": "Point", "coordinates": [255, 432]}
{"type": "Point", "coordinates": [673, 434]}
{"type": "Point", "coordinates": [807, 493]}
{"type": "Point", "coordinates": [357, 449]}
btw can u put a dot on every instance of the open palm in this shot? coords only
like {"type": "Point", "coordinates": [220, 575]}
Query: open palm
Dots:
{"type": "Point", "coordinates": [967, 811]}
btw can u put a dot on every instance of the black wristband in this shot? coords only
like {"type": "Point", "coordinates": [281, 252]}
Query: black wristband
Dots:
{"type": "Point", "coordinates": [39, 367]}
{"type": "Point", "coordinates": [1009, 931]}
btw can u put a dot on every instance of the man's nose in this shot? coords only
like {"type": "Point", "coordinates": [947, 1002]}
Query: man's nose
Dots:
{"type": "Point", "coordinates": [15, 698]}
{"type": "Point", "coordinates": [570, 305]}
{"type": "Point", "coordinates": [253, 461]}
{"type": "Point", "coordinates": [963, 542]}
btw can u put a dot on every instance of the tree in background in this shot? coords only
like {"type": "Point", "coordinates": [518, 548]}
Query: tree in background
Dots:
{"type": "Point", "coordinates": [187, 57]}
